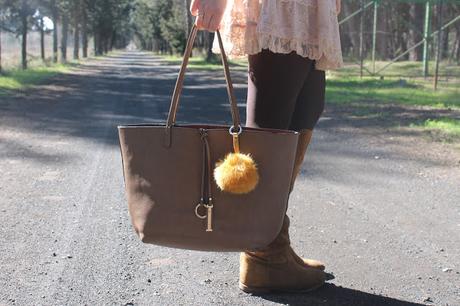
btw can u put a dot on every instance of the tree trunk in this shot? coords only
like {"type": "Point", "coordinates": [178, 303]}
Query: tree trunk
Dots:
{"type": "Point", "coordinates": [402, 28]}
{"type": "Point", "coordinates": [188, 16]}
{"type": "Point", "coordinates": [457, 51]}
{"type": "Point", "coordinates": [352, 27]}
{"type": "Point", "coordinates": [55, 31]}
{"type": "Point", "coordinates": [382, 38]}
{"type": "Point", "coordinates": [112, 41]}
{"type": "Point", "coordinates": [95, 42]}
{"type": "Point", "coordinates": [445, 43]}
{"type": "Point", "coordinates": [76, 42]}
{"type": "Point", "coordinates": [76, 32]}
{"type": "Point", "coordinates": [209, 54]}
{"type": "Point", "coordinates": [84, 30]}
{"type": "Point", "coordinates": [24, 25]}
{"type": "Point", "coordinates": [1, 69]}
{"type": "Point", "coordinates": [65, 30]}
{"type": "Point", "coordinates": [42, 39]}
{"type": "Point", "coordinates": [416, 13]}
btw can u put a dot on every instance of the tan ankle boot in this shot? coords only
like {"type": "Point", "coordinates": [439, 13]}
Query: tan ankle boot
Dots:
{"type": "Point", "coordinates": [275, 268]}
{"type": "Point", "coordinates": [304, 141]}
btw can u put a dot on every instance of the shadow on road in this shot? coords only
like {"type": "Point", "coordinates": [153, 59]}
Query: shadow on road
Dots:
{"type": "Point", "coordinates": [90, 102]}
{"type": "Point", "coordinates": [136, 88]}
{"type": "Point", "coordinates": [330, 294]}
{"type": "Point", "coordinates": [385, 204]}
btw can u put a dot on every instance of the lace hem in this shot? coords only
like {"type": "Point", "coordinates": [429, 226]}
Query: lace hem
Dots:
{"type": "Point", "coordinates": [324, 59]}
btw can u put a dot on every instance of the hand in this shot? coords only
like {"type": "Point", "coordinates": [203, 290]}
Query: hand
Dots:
{"type": "Point", "coordinates": [209, 12]}
{"type": "Point", "coordinates": [338, 4]}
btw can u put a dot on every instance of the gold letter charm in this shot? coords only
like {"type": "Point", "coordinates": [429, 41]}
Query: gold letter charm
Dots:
{"type": "Point", "coordinates": [209, 213]}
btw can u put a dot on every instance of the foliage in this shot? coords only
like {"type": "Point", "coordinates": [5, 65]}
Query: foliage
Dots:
{"type": "Point", "coordinates": [19, 79]}
{"type": "Point", "coordinates": [398, 91]}
{"type": "Point", "coordinates": [161, 25]}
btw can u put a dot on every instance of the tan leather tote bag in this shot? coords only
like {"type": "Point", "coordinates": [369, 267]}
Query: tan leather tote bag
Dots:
{"type": "Point", "coordinates": [172, 198]}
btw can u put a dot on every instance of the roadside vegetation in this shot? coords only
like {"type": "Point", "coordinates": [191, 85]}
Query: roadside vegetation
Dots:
{"type": "Point", "coordinates": [343, 90]}
{"type": "Point", "coordinates": [38, 72]}
{"type": "Point", "coordinates": [202, 63]}
{"type": "Point", "coordinates": [368, 96]}
{"type": "Point", "coordinates": [18, 79]}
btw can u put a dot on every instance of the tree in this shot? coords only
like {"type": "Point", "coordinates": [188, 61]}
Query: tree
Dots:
{"type": "Point", "coordinates": [76, 16]}
{"type": "Point", "coordinates": [20, 13]}
{"type": "Point", "coordinates": [84, 27]}
{"type": "Point", "coordinates": [416, 30]}
{"type": "Point", "coordinates": [3, 13]}
{"type": "Point", "coordinates": [161, 25]}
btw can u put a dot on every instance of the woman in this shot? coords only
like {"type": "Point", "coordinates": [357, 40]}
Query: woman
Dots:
{"type": "Point", "coordinates": [289, 44]}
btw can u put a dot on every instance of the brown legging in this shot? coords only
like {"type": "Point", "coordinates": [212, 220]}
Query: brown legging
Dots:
{"type": "Point", "coordinates": [285, 91]}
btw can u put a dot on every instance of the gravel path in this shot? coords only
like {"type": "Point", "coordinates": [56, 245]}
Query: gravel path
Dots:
{"type": "Point", "coordinates": [380, 206]}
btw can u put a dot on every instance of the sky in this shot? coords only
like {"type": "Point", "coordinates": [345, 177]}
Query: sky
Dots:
{"type": "Point", "coordinates": [48, 23]}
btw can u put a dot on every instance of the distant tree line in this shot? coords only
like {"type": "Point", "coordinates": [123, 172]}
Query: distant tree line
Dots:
{"type": "Point", "coordinates": [400, 25]}
{"type": "Point", "coordinates": [107, 21]}
{"type": "Point", "coordinates": [157, 25]}
{"type": "Point", "coordinates": [162, 26]}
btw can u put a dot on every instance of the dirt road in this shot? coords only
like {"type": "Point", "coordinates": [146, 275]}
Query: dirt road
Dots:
{"type": "Point", "coordinates": [380, 206]}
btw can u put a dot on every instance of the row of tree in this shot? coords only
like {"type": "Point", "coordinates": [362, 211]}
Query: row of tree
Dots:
{"type": "Point", "coordinates": [107, 21]}
{"type": "Point", "coordinates": [400, 25]}
{"type": "Point", "coordinates": [157, 25]}
{"type": "Point", "coordinates": [162, 26]}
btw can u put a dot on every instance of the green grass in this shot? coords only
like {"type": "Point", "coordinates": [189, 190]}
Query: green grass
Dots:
{"type": "Point", "coordinates": [342, 90]}
{"type": "Point", "coordinates": [448, 126]}
{"type": "Point", "coordinates": [19, 79]}
{"type": "Point", "coordinates": [399, 69]}
{"type": "Point", "coordinates": [401, 83]}
{"type": "Point", "coordinates": [343, 87]}
{"type": "Point", "coordinates": [200, 63]}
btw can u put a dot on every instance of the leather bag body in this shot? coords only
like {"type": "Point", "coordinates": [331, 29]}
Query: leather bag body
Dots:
{"type": "Point", "coordinates": [168, 176]}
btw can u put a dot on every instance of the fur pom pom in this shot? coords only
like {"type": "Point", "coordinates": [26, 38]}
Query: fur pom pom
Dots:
{"type": "Point", "coordinates": [237, 173]}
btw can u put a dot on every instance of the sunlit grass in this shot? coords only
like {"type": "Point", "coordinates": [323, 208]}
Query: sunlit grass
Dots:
{"type": "Point", "coordinates": [447, 129]}
{"type": "Point", "coordinates": [399, 69]}
{"type": "Point", "coordinates": [449, 125]}
{"type": "Point", "coordinates": [342, 90]}
{"type": "Point", "coordinates": [345, 87]}
{"type": "Point", "coordinates": [19, 79]}
{"type": "Point", "coordinates": [200, 63]}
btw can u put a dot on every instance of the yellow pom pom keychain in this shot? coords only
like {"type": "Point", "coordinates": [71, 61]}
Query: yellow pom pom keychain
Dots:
{"type": "Point", "coordinates": [237, 172]}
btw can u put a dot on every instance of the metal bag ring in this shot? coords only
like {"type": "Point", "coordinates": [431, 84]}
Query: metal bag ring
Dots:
{"type": "Point", "coordinates": [197, 213]}
{"type": "Point", "coordinates": [240, 130]}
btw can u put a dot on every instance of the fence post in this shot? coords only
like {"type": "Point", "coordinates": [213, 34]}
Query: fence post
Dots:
{"type": "Point", "coordinates": [426, 37]}
{"type": "Point", "coordinates": [361, 40]}
{"type": "Point", "coordinates": [0, 48]}
{"type": "Point", "coordinates": [374, 34]}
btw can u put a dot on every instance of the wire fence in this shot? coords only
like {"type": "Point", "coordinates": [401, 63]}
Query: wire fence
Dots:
{"type": "Point", "coordinates": [407, 38]}
{"type": "Point", "coordinates": [11, 48]}
{"type": "Point", "coordinates": [11, 45]}
{"type": "Point", "coordinates": [410, 38]}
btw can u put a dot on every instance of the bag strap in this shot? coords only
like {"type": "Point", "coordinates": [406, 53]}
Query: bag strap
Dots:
{"type": "Point", "coordinates": [180, 81]}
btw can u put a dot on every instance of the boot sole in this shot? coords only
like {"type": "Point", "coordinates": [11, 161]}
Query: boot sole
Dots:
{"type": "Point", "coordinates": [265, 290]}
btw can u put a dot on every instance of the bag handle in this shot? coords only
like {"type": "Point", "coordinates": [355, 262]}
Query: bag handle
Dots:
{"type": "Point", "coordinates": [180, 81]}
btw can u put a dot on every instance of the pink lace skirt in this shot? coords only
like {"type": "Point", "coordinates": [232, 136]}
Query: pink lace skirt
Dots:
{"type": "Point", "coordinates": [308, 27]}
